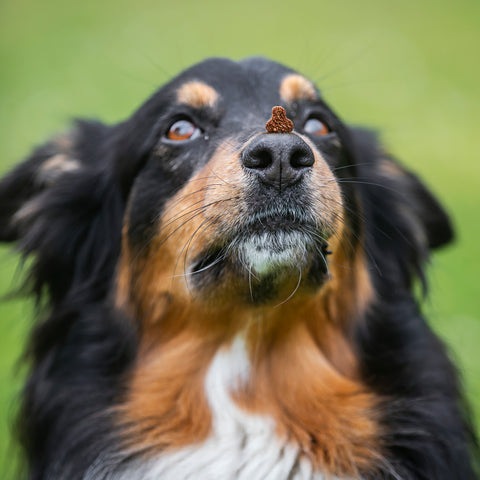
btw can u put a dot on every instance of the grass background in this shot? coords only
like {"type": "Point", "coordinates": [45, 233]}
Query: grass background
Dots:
{"type": "Point", "coordinates": [410, 69]}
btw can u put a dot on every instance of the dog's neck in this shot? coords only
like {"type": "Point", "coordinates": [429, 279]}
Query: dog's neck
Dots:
{"type": "Point", "coordinates": [291, 364]}
{"type": "Point", "coordinates": [264, 330]}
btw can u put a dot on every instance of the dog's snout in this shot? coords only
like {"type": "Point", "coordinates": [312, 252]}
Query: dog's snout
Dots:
{"type": "Point", "coordinates": [279, 160]}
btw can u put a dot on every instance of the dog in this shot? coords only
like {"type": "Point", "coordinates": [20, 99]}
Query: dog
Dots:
{"type": "Point", "coordinates": [226, 287]}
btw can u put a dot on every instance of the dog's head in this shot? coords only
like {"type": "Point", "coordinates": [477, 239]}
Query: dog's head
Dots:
{"type": "Point", "coordinates": [223, 208]}
{"type": "Point", "coordinates": [204, 194]}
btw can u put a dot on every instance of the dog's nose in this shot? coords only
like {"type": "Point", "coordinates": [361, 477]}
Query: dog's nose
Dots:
{"type": "Point", "coordinates": [279, 160]}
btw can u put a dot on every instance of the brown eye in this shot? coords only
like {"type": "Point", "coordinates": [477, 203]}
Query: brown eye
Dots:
{"type": "Point", "coordinates": [182, 130]}
{"type": "Point", "coordinates": [313, 126]}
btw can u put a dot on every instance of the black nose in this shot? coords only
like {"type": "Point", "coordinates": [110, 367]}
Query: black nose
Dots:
{"type": "Point", "coordinates": [279, 160]}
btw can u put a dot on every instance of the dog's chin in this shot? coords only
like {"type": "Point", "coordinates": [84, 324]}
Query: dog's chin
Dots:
{"type": "Point", "coordinates": [275, 254]}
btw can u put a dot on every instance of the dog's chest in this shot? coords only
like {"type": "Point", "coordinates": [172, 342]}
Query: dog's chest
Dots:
{"type": "Point", "coordinates": [241, 445]}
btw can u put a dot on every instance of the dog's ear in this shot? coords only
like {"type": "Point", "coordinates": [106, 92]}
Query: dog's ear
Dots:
{"type": "Point", "coordinates": [418, 202]}
{"type": "Point", "coordinates": [46, 165]}
{"type": "Point", "coordinates": [63, 207]}
{"type": "Point", "coordinates": [408, 221]}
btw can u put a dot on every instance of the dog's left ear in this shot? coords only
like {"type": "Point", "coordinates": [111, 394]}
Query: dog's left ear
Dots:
{"type": "Point", "coordinates": [403, 221]}
{"type": "Point", "coordinates": [418, 201]}
{"type": "Point", "coordinates": [399, 193]}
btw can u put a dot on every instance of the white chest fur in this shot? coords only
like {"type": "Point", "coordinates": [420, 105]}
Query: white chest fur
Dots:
{"type": "Point", "coordinates": [242, 446]}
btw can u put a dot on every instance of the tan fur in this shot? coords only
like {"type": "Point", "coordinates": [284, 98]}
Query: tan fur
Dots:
{"type": "Point", "coordinates": [296, 87]}
{"type": "Point", "coordinates": [197, 95]}
{"type": "Point", "coordinates": [53, 168]}
{"type": "Point", "coordinates": [166, 407]}
{"type": "Point", "coordinates": [390, 169]}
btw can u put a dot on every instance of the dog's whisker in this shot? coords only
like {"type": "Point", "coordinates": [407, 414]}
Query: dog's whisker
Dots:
{"type": "Point", "coordinates": [184, 197]}
{"type": "Point", "coordinates": [208, 222]}
{"type": "Point", "coordinates": [294, 290]}
{"type": "Point", "coordinates": [359, 181]}
{"type": "Point", "coordinates": [151, 255]}
{"type": "Point", "coordinates": [167, 222]}
{"type": "Point", "coordinates": [350, 165]}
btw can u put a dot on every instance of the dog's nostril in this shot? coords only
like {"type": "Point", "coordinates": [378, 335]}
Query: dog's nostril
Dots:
{"type": "Point", "coordinates": [302, 158]}
{"type": "Point", "coordinates": [258, 158]}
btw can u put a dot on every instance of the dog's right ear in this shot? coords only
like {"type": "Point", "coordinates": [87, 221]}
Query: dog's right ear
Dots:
{"type": "Point", "coordinates": [62, 205]}
{"type": "Point", "coordinates": [37, 173]}
{"type": "Point", "coordinates": [60, 157]}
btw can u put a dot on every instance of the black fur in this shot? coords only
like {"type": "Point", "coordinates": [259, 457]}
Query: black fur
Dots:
{"type": "Point", "coordinates": [82, 346]}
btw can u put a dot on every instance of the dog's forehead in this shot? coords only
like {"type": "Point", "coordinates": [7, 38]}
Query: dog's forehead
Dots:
{"type": "Point", "coordinates": [251, 82]}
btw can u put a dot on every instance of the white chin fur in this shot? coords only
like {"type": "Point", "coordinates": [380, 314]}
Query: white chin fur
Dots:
{"type": "Point", "coordinates": [266, 253]}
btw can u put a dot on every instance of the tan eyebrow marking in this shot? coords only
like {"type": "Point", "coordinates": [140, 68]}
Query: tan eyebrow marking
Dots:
{"type": "Point", "coordinates": [197, 94]}
{"type": "Point", "coordinates": [296, 87]}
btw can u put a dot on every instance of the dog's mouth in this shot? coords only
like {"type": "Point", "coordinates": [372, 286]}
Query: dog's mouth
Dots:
{"type": "Point", "coordinates": [273, 244]}
{"type": "Point", "coordinates": [268, 245]}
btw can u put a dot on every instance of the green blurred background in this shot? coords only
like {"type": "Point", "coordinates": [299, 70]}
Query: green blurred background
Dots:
{"type": "Point", "coordinates": [410, 69]}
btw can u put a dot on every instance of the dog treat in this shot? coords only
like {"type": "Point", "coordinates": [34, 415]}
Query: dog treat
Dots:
{"type": "Point", "coordinates": [279, 123]}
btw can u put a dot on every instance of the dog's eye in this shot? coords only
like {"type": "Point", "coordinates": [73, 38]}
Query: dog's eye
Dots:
{"type": "Point", "coordinates": [183, 130]}
{"type": "Point", "coordinates": [313, 126]}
